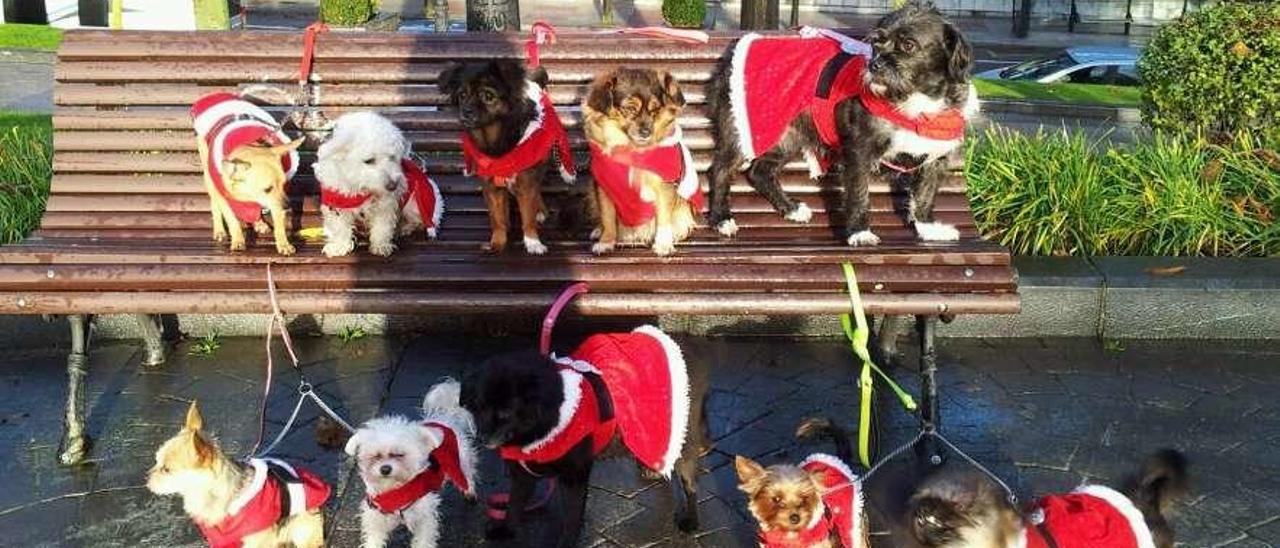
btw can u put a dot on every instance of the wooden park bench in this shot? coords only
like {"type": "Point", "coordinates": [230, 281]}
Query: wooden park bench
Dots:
{"type": "Point", "coordinates": [126, 230]}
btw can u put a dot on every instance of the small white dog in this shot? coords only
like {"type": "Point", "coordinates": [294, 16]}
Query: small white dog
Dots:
{"type": "Point", "coordinates": [367, 177]}
{"type": "Point", "coordinates": [404, 464]}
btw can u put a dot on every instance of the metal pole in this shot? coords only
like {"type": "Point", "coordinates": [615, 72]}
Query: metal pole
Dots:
{"type": "Point", "coordinates": [493, 15]}
{"type": "Point", "coordinates": [930, 417]}
{"type": "Point", "coordinates": [795, 13]}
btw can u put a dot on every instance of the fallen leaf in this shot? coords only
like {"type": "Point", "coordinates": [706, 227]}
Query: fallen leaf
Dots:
{"type": "Point", "coordinates": [1166, 270]}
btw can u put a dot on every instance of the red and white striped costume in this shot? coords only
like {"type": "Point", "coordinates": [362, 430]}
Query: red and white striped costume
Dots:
{"type": "Point", "coordinates": [544, 134]}
{"type": "Point", "coordinates": [447, 466]}
{"type": "Point", "coordinates": [226, 122]}
{"type": "Point", "coordinates": [422, 192]}
{"type": "Point", "coordinates": [642, 394]}
{"type": "Point", "coordinates": [842, 508]}
{"type": "Point", "coordinates": [276, 492]}
{"type": "Point", "coordinates": [1092, 516]}
{"type": "Point", "coordinates": [614, 171]}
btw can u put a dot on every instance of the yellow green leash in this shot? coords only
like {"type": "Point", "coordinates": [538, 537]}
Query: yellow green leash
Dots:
{"type": "Point", "coordinates": [855, 328]}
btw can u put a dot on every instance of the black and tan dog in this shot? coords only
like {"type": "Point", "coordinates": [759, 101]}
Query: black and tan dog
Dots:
{"type": "Point", "coordinates": [895, 106]}
{"type": "Point", "coordinates": [646, 188]}
{"type": "Point", "coordinates": [616, 394]}
{"type": "Point", "coordinates": [511, 134]}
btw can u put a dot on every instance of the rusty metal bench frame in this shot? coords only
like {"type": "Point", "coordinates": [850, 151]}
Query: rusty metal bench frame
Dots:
{"type": "Point", "coordinates": [126, 228]}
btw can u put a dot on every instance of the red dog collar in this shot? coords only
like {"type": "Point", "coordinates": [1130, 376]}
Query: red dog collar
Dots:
{"type": "Point", "coordinates": [446, 466]}
{"type": "Point", "coordinates": [614, 171]}
{"type": "Point", "coordinates": [422, 190]}
{"type": "Point", "coordinates": [947, 125]}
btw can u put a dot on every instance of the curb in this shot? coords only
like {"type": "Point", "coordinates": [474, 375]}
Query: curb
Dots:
{"type": "Point", "coordinates": [1125, 115]}
{"type": "Point", "coordinates": [1104, 297]}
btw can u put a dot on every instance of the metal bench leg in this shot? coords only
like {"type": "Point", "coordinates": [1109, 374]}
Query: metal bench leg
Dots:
{"type": "Point", "coordinates": [930, 418]}
{"type": "Point", "coordinates": [75, 443]}
{"type": "Point", "coordinates": [152, 338]}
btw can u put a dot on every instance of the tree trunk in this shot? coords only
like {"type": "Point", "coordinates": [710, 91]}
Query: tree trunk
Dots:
{"type": "Point", "coordinates": [754, 14]}
{"type": "Point", "coordinates": [493, 15]}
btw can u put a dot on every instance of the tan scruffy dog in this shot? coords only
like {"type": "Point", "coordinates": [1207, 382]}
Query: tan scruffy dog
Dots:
{"type": "Point", "coordinates": [237, 504]}
{"type": "Point", "coordinates": [647, 190]}
{"type": "Point", "coordinates": [247, 162]}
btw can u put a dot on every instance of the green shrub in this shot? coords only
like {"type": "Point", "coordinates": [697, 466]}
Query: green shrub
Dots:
{"type": "Point", "coordinates": [346, 13]}
{"type": "Point", "coordinates": [1214, 70]}
{"type": "Point", "coordinates": [1062, 194]}
{"type": "Point", "coordinates": [684, 13]}
{"type": "Point", "coordinates": [25, 168]}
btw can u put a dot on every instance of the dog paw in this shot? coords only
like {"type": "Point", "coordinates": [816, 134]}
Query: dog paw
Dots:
{"type": "Point", "coordinates": [338, 249]}
{"type": "Point", "coordinates": [237, 245]}
{"type": "Point", "coordinates": [534, 246]}
{"type": "Point", "coordinates": [664, 242]}
{"type": "Point", "coordinates": [727, 228]}
{"type": "Point", "coordinates": [219, 237]}
{"type": "Point", "coordinates": [382, 249]}
{"type": "Point", "coordinates": [937, 232]}
{"type": "Point", "coordinates": [261, 228]}
{"type": "Point", "coordinates": [499, 531]}
{"type": "Point", "coordinates": [801, 214]}
{"type": "Point", "coordinates": [600, 248]}
{"type": "Point", "coordinates": [285, 248]}
{"type": "Point", "coordinates": [863, 238]}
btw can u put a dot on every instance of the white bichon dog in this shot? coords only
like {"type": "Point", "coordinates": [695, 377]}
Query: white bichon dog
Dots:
{"type": "Point", "coordinates": [367, 178]}
{"type": "Point", "coordinates": [404, 465]}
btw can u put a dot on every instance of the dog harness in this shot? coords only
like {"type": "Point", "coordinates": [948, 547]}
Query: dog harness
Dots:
{"type": "Point", "coordinates": [635, 384]}
{"type": "Point", "coordinates": [276, 492]}
{"type": "Point", "coordinates": [226, 122]}
{"type": "Point", "coordinates": [615, 172]}
{"type": "Point", "coordinates": [543, 136]}
{"type": "Point", "coordinates": [1089, 517]}
{"type": "Point", "coordinates": [446, 465]}
{"type": "Point", "coordinates": [775, 79]}
{"type": "Point", "coordinates": [422, 190]}
{"type": "Point", "coordinates": [842, 508]}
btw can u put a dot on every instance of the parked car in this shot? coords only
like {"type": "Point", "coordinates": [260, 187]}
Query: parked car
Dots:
{"type": "Point", "coordinates": [1080, 65]}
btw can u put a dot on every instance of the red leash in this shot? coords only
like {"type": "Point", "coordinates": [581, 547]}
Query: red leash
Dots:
{"type": "Point", "coordinates": [309, 50]}
{"type": "Point", "coordinates": [549, 321]}
{"type": "Point", "coordinates": [543, 33]}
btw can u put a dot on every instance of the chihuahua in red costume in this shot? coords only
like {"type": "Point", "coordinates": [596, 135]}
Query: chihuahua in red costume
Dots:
{"type": "Point", "coordinates": [647, 188]}
{"type": "Point", "coordinates": [247, 162]}
{"type": "Point", "coordinates": [616, 394]}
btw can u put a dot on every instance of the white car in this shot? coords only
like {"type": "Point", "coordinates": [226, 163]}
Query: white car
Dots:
{"type": "Point", "coordinates": [1081, 65]}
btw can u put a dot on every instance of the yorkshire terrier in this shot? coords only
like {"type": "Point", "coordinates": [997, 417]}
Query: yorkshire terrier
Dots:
{"type": "Point", "coordinates": [814, 504]}
{"type": "Point", "coordinates": [405, 463]}
{"type": "Point", "coordinates": [263, 503]}
{"type": "Point", "coordinates": [647, 189]}
{"type": "Point", "coordinates": [965, 510]}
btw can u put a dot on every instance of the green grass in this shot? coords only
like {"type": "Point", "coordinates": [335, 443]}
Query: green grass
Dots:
{"type": "Point", "coordinates": [1061, 194]}
{"type": "Point", "coordinates": [39, 37]}
{"type": "Point", "coordinates": [205, 346]}
{"type": "Point", "coordinates": [1091, 94]}
{"type": "Point", "coordinates": [25, 168]}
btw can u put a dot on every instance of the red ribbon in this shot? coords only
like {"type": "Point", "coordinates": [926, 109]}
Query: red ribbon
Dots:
{"type": "Point", "coordinates": [543, 33]}
{"type": "Point", "coordinates": [309, 50]}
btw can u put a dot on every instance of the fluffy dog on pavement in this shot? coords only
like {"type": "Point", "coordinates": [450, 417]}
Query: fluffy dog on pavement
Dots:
{"type": "Point", "coordinates": [405, 463]}
{"type": "Point", "coordinates": [366, 178]}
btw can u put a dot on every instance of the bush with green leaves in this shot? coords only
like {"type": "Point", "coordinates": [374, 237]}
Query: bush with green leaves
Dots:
{"type": "Point", "coordinates": [1061, 194]}
{"type": "Point", "coordinates": [684, 13]}
{"type": "Point", "coordinates": [1215, 70]}
{"type": "Point", "coordinates": [346, 13]}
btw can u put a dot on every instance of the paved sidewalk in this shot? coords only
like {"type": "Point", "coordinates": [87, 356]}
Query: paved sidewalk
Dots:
{"type": "Point", "coordinates": [1045, 414]}
{"type": "Point", "coordinates": [27, 84]}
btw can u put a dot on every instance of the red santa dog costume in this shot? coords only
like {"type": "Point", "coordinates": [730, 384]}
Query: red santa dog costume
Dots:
{"type": "Point", "coordinates": [614, 171]}
{"type": "Point", "coordinates": [276, 492]}
{"type": "Point", "coordinates": [542, 135]}
{"type": "Point", "coordinates": [774, 79]}
{"type": "Point", "coordinates": [423, 192]}
{"type": "Point", "coordinates": [227, 122]}
{"type": "Point", "coordinates": [447, 459]}
{"type": "Point", "coordinates": [1089, 517]}
{"type": "Point", "coordinates": [842, 508]}
{"type": "Point", "coordinates": [642, 375]}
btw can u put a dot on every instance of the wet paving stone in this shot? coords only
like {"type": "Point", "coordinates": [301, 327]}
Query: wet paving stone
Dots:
{"type": "Point", "coordinates": [1044, 414]}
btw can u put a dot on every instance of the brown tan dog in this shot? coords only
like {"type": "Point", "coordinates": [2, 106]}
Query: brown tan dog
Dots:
{"type": "Point", "coordinates": [232, 502]}
{"type": "Point", "coordinates": [645, 186]}
{"type": "Point", "coordinates": [247, 162]}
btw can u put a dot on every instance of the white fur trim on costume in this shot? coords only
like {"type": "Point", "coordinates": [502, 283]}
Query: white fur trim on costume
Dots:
{"type": "Point", "coordinates": [688, 185]}
{"type": "Point", "coordinates": [801, 214]}
{"type": "Point", "coordinates": [679, 395]}
{"type": "Point", "coordinates": [937, 232]}
{"type": "Point", "coordinates": [835, 462]}
{"type": "Point", "coordinates": [1125, 507]}
{"type": "Point", "coordinates": [437, 214]}
{"type": "Point", "coordinates": [863, 237]}
{"type": "Point", "coordinates": [255, 486]}
{"type": "Point", "coordinates": [297, 498]}
{"type": "Point", "coordinates": [533, 92]}
{"type": "Point", "coordinates": [738, 95]}
{"type": "Point", "coordinates": [565, 174]}
{"type": "Point", "coordinates": [235, 107]}
{"type": "Point", "coordinates": [848, 44]}
{"type": "Point", "coordinates": [572, 381]}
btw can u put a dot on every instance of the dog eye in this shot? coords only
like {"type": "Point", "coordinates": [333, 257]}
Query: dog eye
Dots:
{"type": "Point", "coordinates": [396, 455]}
{"type": "Point", "coordinates": [370, 161]}
{"type": "Point", "coordinates": [908, 46]}
{"type": "Point", "coordinates": [488, 96]}
{"type": "Point", "coordinates": [777, 499]}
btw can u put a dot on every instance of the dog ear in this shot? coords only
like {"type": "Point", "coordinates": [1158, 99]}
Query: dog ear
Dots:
{"type": "Point", "coordinates": [281, 150]}
{"type": "Point", "coordinates": [510, 73]}
{"type": "Point", "coordinates": [450, 79]}
{"type": "Point", "coordinates": [353, 443]}
{"type": "Point", "coordinates": [672, 89]}
{"type": "Point", "coordinates": [959, 54]}
{"type": "Point", "coordinates": [749, 473]}
{"type": "Point", "coordinates": [600, 98]}
{"type": "Point", "coordinates": [195, 422]}
{"type": "Point", "coordinates": [539, 76]}
{"type": "Point", "coordinates": [431, 436]}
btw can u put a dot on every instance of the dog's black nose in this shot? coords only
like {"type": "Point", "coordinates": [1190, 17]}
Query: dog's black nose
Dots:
{"type": "Point", "coordinates": [794, 519]}
{"type": "Point", "coordinates": [392, 186]}
{"type": "Point", "coordinates": [386, 469]}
